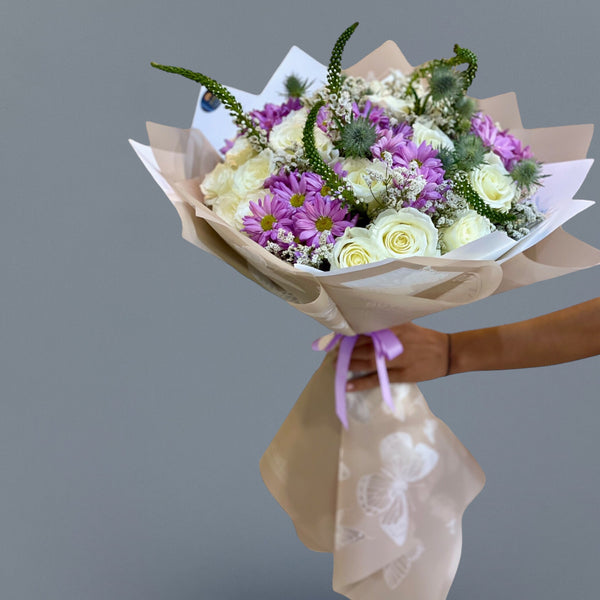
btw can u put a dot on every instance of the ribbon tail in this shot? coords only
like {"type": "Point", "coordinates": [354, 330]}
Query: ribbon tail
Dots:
{"type": "Point", "coordinates": [341, 372]}
{"type": "Point", "coordinates": [384, 380]}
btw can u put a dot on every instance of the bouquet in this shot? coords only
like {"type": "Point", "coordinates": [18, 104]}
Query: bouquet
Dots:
{"type": "Point", "coordinates": [368, 198]}
{"type": "Point", "coordinates": [359, 171]}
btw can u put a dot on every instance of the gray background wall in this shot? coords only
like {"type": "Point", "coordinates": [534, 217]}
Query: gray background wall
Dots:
{"type": "Point", "coordinates": [142, 379]}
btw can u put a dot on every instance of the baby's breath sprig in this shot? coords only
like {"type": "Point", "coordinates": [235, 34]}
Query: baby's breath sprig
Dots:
{"type": "Point", "coordinates": [463, 188]}
{"type": "Point", "coordinates": [317, 164]}
{"type": "Point", "coordinates": [334, 70]}
{"type": "Point", "coordinates": [240, 118]}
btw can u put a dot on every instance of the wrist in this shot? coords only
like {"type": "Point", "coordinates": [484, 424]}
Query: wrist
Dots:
{"type": "Point", "coordinates": [475, 350]}
{"type": "Point", "coordinates": [448, 354]}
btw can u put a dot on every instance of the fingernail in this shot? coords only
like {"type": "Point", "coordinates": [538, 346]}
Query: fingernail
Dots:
{"type": "Point", "coordinates": [349, 386]}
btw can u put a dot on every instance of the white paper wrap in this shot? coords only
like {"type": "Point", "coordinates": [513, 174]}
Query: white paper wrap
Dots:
{"type": "Point", "coordinates": [386, 497]}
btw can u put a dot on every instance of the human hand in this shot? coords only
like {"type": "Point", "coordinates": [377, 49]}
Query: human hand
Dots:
{"type": "Point", "coordinates": [425, 356]}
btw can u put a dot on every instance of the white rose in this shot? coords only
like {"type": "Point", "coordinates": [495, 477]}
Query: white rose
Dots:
{"type": "Point", "coordinates": [471, 226]}
{"type": "Point", "coordinates": [240, 152]}
{"type": "Point", "coordinates": [493, 183]}
{"type": "Point", "coordinates": [243, 207]}
{"type": "Point", "coordinates": [217, 183]}
{"type": "Point", "coordinates": [406, 232]}
{"type": "Point", "coordinates": [425, 131]}
{"type": "Point", "coordinates": [356, 247]}
{"type": "Point", "coordinates": [251, 176]}
{"type": "Point", "coordinates": [225, 206]}
{"type": "Point", "coordinates": [325, 146]}
{"type": "Point", "coordinates": [286, 136]}
{"type": "Point", "coordinates": [362, 177]}
{"type": "Point", "coordinates": [232, 209]}
{"type": "Point", "coordinates": [397, 107]}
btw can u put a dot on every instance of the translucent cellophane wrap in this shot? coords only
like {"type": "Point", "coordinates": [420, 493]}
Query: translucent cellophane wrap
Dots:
{"type": "Point", "coordinates": [386, 496]}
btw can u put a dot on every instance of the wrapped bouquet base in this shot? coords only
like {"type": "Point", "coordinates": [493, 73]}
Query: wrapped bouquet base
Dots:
{"type": "Point", "coordinates": [386, 496]}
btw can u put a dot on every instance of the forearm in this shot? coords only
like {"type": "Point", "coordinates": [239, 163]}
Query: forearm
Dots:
{"type": "Point", "coordinates": [565, 335]}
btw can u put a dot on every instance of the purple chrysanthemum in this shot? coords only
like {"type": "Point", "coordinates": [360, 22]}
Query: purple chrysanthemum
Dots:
{"type": "Point", "coordinates": [502, 143]}
{"type": "Point", "coordinates": [403, 128]}
{"type": "Point", "coordinates": [272, 180]}
{"type": "Point", "coordinates": [483, 126]}
{"type": "Point", "coordinates": [424, 157]}
{"type": "Point", "coordinates": [430, 198]}
{"type": "Point", "coordinates": [296, 188]}
{"type": "Point", "coordinates": [269, 215]}
{"type": "Point", "coordinates": [390, 142]}
{"type": "Point", "coordinates": [314, 182]}
{"type": "Point", "coordinates": [429, 195]}
{"type": "Point", "coordinates": [324, 117]}
{"type": "Point", "coordinates": [273, 114]}
{"type": "Point", "coordinates": [339, 171]}
{"type": "Point", "coordinates": [375, 114]}
{"type": "Point", "coordinates": [319, 217]}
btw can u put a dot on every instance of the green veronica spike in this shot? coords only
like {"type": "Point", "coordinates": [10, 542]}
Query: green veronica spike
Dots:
{"type": "Point", "coordinates": [240, 118]}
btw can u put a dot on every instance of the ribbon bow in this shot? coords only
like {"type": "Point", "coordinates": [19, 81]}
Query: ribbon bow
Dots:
{"type": "Point", "coordinates": [387, 346]}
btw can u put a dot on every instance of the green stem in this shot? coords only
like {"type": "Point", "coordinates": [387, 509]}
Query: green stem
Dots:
{"type": "Point", "coordinates": [317, 164]}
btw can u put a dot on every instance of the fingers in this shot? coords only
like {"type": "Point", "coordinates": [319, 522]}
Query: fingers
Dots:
{"type": "Point", "coordinates": [363, 340]}
{"type": "Point", "coordinates": [363, 358]}
{"type": "Point", "coordinates": [371, 380]}
{"type": "Point", "coordinates": [363, 352]}
{"type": "Point", "coordinates": [366, 382]}
{"type": "Point", "coordinates": [362, 366]}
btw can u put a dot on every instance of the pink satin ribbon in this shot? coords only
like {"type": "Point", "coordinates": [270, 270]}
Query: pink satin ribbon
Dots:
{"type": "Point", "coordinates": [386, 345]}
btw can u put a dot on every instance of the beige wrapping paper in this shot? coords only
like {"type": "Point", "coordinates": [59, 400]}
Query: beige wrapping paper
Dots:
{"type": "Point", "coordinates": [386, 497]}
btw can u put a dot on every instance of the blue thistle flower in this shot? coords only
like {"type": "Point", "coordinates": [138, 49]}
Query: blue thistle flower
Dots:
{"type": "Point", "coordinates": [357, 137]}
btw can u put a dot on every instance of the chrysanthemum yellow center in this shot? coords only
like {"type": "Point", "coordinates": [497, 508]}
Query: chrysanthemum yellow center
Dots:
{"type": "Point", "coordinates": [297, 200]}
{"type": "Point", "coordinates": [267, 222]}
{"type": "Point", "coordinates": [325, 190]}
{"type": "Point", "coordinates": [324, 224]}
